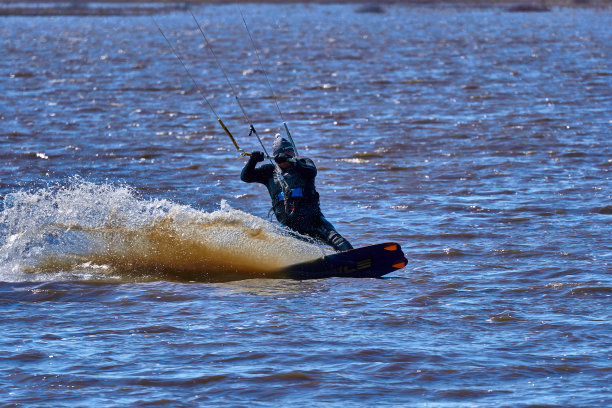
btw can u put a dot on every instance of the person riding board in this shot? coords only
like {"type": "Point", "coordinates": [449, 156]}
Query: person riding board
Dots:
{"type": "Point", "coordinates": [295, 200]}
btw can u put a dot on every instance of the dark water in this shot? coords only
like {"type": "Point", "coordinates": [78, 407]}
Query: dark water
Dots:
{"type": "Point", "coordinates": [476, 138]}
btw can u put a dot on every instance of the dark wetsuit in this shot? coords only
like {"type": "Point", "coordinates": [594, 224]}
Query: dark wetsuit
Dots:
{"type": "Point", "coordinates": [295, 200]}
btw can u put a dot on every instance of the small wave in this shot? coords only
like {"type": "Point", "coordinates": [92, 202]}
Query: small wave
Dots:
{"type": "Point", "coordinates": [192, 167]}
{"type": "Point", "coordinates": [354, 160]}
{"type": "Point", "coordinates": [24, 74]}
{"type": "Point", "coordinates": [588, 290]}
{"type": "Point", "coordinates": [560, 285]}
{"type": "Point", "coordinates": [380, 82]}
{"type": "Point", "coordinates": [402, 207]}
{"type": "Point", "coordinates": [515, 220]}
{"type": "Point", "coordinates": [392, 168]}
{"type": "Point", "coordinates": [91, 109]}
{"type": "Point", "coordinates": [509, 252]}
{"type": "Point", "coordinates": [324, 87]}
{"type": "Point", "coordinates": [156, 329]}
{"type": "Point", "coordinates": [504, 317]}
{"type": "Point", "coordinates": [422, 300]}
{"type": "Point", "coordinates": [573, 153]}
{"type": "Point", "coordinates": [469, 393]}
{"type": "Point", "coordinates": [370, 8]}
{"type": "Point", "coordinates": [446, 252]}
{"type": "Point", "coordinates": [364, 155]}
{"type": "Point", "coordinates": [36, 155]}
{"type": "Point", "coordinates": [291, 376]}
{"type": "Point", "coordinates": [251, 71]}
{"type": "Point", "coordinates": [25, 356]}
{"type": "Point", "coordinates": [50, 336]}
{"type": "Point", "coordinates": [176, 382]}
{"type": "Point", "coordinates": [426, 121]}
{"type": "Point", "coordinates": [16, 134]}
{"type": "Point", "coordinates": [607, 210]}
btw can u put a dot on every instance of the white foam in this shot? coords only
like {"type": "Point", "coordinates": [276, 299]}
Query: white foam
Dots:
{"type": "Point", "coordinates": [83, 229]}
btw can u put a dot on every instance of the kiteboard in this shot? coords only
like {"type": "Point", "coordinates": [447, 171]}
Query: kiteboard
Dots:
{"type": "Point", "coordinates": [371, 261]}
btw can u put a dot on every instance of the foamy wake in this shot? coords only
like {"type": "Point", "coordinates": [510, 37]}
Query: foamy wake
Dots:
{"type": "Point", "coordinates": [102, 231]}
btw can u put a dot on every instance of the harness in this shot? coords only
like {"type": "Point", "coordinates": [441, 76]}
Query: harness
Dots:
{"type": "Point", "coordinates": [293, 198]}
{"type": "Point", "coordinates": [287, 199]}
{"type": "Point", "coordinates": [293, 193]}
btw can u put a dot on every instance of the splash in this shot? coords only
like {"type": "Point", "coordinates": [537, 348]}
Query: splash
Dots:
{"type": "Point", "coordinates": [103, 231]}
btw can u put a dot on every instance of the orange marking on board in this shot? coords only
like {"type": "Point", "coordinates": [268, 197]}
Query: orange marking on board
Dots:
{"type": "Point", "coordinates": [399, 265]}
{"type": "Point", "coordinates": [391, 247]}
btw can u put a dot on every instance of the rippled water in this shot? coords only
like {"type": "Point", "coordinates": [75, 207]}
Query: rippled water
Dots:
{"type": "Point", "coordinates": [477, 139]}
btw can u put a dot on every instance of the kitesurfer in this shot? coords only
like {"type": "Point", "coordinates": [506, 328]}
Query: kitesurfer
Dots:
{"type": "Point", "coordinates": [295, 201]}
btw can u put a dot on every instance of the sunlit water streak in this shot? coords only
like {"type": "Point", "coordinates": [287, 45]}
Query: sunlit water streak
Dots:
{"type": "Point", "coordinates": [477, 139]}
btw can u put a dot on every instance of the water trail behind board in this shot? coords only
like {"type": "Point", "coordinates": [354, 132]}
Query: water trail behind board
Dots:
{"type": "Point", "coordinates": [91, 231]}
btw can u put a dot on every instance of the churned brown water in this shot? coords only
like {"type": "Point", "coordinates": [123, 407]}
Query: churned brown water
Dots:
{"type": "Point", "coordinates": [476, 138]}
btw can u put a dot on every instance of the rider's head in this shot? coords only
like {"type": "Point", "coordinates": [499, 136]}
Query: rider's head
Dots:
{"type": "Point", "coordinates": [282, 146]}
{"type": "Point", "coordinates": [283, 151]}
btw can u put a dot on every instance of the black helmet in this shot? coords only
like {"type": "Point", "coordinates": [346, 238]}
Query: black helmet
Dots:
{"type": "Point", "coordinates": [281, 145]}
